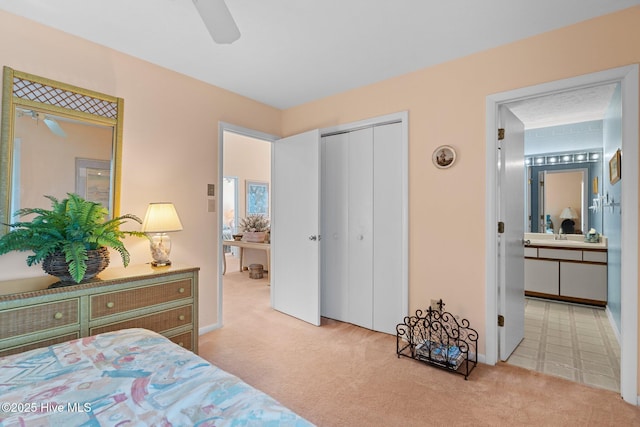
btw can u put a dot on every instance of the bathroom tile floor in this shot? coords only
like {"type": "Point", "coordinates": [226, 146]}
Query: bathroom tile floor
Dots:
{"type": "Point", "coordinates": [571, 341]}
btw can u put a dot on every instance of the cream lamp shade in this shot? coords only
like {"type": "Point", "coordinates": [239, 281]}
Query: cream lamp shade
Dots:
{"type": "Point", "coordinates": [160, 219]}
{"type": "Point", "coordinates": [569, 213]}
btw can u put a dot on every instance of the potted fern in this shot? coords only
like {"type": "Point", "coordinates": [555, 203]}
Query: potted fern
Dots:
{"type": "Point", "coordinates": [71, 239]}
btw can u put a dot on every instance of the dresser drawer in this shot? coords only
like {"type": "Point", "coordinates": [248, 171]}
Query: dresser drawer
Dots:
{"type": "Point", "coordinates": [568, 254]}
{"type": "Point", "coordinates": [593, 256]}
{"type": "Point", "coordinates": [106, 304]}
{"type": "Point", "coordinates": [38, 344]}
{"type": "Point", "coordinates": [158, 322]}
{"type": "Point", "coordinates": [40, 317]}
{"type": "Point", "coordinates": [184, 340]}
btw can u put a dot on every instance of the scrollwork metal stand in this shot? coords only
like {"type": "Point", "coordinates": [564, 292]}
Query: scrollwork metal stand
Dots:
{"type": "Point", "coordinates": [437, 338]}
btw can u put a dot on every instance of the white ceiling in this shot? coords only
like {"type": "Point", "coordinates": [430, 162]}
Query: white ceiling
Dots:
{"type": "Point", "coordinates": [295, 51]}
{"type": "Point", "coordinates": [578, 105]}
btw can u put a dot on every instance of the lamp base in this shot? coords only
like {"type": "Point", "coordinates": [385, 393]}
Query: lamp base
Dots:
{"type": "Point", "coordinates": [160, 263]}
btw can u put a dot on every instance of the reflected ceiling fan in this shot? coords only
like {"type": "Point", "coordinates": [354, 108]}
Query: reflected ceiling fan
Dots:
{"type": "Point", "coordinates": [218, 20]}
{"type": "Point", "coordinates": [51, 123]}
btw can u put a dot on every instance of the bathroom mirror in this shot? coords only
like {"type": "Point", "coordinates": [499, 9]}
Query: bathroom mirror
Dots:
{"type": "Point", "coordinates": [564, 189]}
{"type": "Point", "coordinates": [57, 139]}
{"type": "Point", "coordinates": [558, 181]}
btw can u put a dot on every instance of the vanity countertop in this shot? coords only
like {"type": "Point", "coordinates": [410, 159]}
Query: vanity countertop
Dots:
{"type": "Point", "coordinates": [573, 241]}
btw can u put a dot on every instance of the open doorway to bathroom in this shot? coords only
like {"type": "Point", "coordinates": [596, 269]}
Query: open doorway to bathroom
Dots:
{"type": "Point", "coordinates": [628, 246]}
{"type": "Point", "coordinates": [565, 137]}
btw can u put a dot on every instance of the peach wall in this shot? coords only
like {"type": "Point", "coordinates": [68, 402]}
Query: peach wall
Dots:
{"type": "Point", "coordinates": [446, 105]}
{"type": "Point", "coordinates": [247, 159]}
{"type": "Point", "coordinates": [170, 138]}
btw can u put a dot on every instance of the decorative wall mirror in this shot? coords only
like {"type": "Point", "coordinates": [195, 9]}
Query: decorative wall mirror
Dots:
{"type": "Point", "coordinates": [57, 139]}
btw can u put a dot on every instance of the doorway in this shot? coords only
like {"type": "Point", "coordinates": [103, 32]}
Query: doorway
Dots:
{"type": "Point", "coordinates": [244, 161]}
{"type": "Point", "coordinates": [628, 78]}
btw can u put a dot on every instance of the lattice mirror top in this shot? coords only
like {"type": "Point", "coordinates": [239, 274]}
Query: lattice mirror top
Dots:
{"type": "Point", "coordinates": [35, 91]}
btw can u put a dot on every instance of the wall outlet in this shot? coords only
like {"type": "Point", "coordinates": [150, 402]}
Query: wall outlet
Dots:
{"type": "Point", "coordinates": [434, 304]}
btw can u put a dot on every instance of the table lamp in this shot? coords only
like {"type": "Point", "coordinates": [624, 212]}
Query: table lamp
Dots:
{"type": "Point", "coordinates": [569, 213]}
{"type": "Point", "coordinates": [160, 219]}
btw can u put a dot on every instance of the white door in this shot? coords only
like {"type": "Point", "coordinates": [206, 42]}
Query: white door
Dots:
{"type": "Point", "coordinates": [388, 208]}
{"type": "Point", "coordinates": [362, 212]}
{"type": "Point", "coordinates": [511, 287]}
{"type": "Point", "coordinates": [334, 245]}
{"type": "Point", "coordinates": [295, 234]}
{"type": "Point", "coordinates": [360, 228]}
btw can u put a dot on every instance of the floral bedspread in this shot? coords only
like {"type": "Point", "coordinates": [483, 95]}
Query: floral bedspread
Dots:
{"type": "Point", "coordinates": [132, 377]}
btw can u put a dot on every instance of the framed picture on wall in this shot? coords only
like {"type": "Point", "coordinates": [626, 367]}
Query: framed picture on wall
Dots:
{"type": "Point", "coordinates": [444, 156]}
{"type": "Point", "coordinates": [257, 194]}
{"type": "Point", "coordinates": [93, 180]}
{"type": "Point", "coordinates": [614, 167]}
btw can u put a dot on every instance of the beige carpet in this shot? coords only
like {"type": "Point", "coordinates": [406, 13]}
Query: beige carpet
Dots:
{"type": "Point", "coordinates": [342, 375]}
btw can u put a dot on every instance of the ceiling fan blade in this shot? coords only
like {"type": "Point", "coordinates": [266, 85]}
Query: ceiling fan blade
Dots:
{"type": "Point", "coordinates": [218, 20]}
{"type": "Point", "coordinates": [54, 127]}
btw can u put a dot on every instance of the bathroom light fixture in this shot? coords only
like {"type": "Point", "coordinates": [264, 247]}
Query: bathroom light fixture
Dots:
{"type": "Point", "coordinates": [160, 219]}
{"type": "Point", "coordinates": [542, 159]}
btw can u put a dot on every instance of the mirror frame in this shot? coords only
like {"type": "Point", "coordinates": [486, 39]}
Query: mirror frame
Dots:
{"type": "Point", "coordinates": [49, 96]}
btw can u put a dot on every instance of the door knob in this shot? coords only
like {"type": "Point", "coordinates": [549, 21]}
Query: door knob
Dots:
{"type": "Point", "coordinates": [313, 237]}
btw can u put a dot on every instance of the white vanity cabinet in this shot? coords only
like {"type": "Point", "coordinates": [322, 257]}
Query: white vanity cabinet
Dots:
{"type": "Point", "coordinates": [576, 274]}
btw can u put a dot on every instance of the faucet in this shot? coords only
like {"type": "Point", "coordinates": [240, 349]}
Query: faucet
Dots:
{"type": "Point", "coordinates": [560, 236]}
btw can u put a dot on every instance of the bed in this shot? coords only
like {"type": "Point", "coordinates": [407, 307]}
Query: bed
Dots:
{"type": "Point", "coordinates": [127, 378]}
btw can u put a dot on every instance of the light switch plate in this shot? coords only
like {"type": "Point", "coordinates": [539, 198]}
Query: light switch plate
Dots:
{"type": "Point", "coordinates": [211, 190]}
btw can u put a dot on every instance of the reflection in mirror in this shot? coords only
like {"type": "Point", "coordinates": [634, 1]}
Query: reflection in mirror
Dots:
{"type": "Point", "coordinates": [558, 181]}
{"type": "Point", "coordinates": [564, 191]}
{"type": "Point", "coordinates": [57, 139]}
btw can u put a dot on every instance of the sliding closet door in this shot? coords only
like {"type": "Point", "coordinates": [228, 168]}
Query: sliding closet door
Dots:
{"type": "Point", "coordinates": [360, 227]}
{"type": "Point", "coordinates": [363, 207]}
{"type": "Point", "coordinates": [388, 260]}
{"type": "Point", "coordinates": [335, 200]}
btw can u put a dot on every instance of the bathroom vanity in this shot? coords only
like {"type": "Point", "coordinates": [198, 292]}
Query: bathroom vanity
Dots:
{"type": "Point", "coordinates": [567, 270]}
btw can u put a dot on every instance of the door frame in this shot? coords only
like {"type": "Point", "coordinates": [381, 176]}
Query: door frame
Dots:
{"type": "Point", "coordinates": [628, 77]}
{"type": "Point", "coordinates": [228, 127]}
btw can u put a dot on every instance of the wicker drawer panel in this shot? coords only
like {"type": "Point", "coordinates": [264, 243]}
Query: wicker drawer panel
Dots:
{"type": "Point", "coordinates": [183, 340]}
{"type": "Point", "coordinates": [39, 317]}
{"type": "Point", "coordinates": [38, 344]}
{"type": "Point", "coordinates": [118, 302]}
{"type": "Point", "coordinates": [158, 322]}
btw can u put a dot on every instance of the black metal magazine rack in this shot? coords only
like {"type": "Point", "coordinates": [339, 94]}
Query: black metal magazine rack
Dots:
{"type": "Point", "coordinates": [438, 338]}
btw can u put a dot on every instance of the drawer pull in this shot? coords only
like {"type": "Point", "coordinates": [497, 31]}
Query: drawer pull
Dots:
{"type": "Point", "coordinates": [111, 304]}
{"type": "Point", "coordinates": [57, 316]}
{"type": "Point", "coordinates": [181, 317]}
{"type": "Point", "coordinates": [181, 290]}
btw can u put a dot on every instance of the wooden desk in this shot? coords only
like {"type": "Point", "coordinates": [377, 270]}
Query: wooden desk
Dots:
{"type": "Point", "coordinates": [246, 245]}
